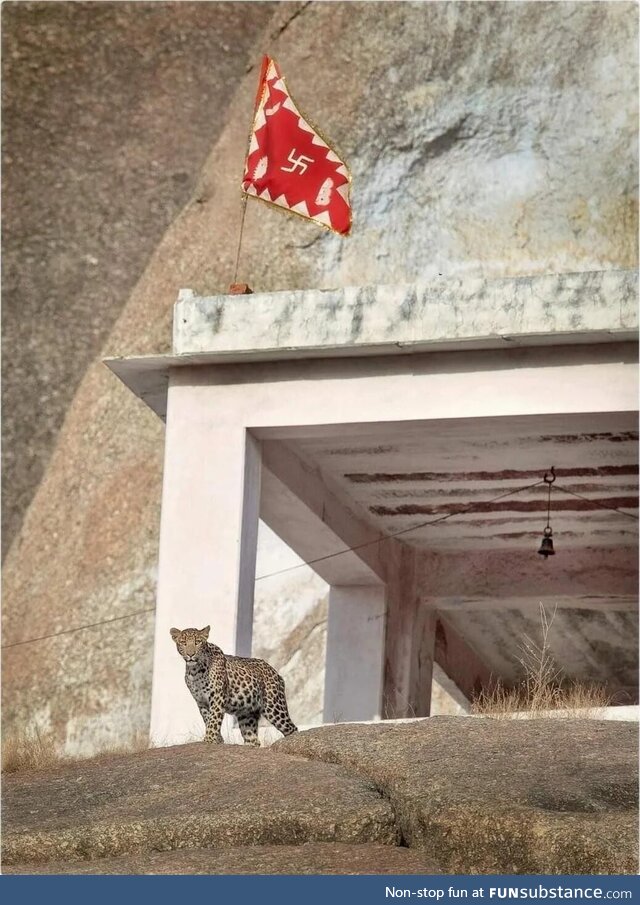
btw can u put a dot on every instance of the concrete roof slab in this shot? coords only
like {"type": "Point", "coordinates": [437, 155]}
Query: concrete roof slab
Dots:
{"type": "Point", "coordinates": [376, 319]}
{"type": "Point", "coordinates": [446, 315]}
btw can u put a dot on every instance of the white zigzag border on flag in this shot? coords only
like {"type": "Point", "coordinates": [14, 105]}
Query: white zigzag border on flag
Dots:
{"type": "Point", "coordinates": [322, 219]}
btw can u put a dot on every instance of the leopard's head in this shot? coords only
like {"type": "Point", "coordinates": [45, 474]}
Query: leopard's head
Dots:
{"type": "Point", "coordinates": [190, 641]}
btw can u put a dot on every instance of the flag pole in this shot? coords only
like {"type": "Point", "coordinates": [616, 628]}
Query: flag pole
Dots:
{"type": "Point", "coordinates": [243, 288]}
{"type": "Point", "coordinates": [244, 211]}
{"type": "Point", "coordinates": [240, 288]}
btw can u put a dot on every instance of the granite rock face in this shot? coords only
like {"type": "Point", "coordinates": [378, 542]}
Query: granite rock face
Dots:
{"type": "Point", "coordinates": [309, 858]}
{"type": "Point", "coordinates": [187, 797]}
{"type": "Point", "coordinates": [443, 794]}
{"type": "Point", "coordinates": [467, 157]}
{"type": "Point", "coordinates": [498, 796]}
{"type": "Point", "coordinates": [109, 114]}
{"type": "Point", "coordinates": [292, 633]}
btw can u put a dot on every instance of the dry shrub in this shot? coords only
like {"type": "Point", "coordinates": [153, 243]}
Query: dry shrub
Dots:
{"type": "Point", "coordinates": [543, 687]}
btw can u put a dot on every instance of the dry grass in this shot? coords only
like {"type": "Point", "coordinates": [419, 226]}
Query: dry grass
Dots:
{"type": "Point", "coordinates": [27, 751]}
{"type": "Point", "coordinates": [139, 742]}
{"type": "Point", "coordinates": [561, 700]}
{"type": "Point", "coordinates": [543, 688]}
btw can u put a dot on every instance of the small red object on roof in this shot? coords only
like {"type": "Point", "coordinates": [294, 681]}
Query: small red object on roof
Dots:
{"type": "Point", "coordinates": [240, 289]}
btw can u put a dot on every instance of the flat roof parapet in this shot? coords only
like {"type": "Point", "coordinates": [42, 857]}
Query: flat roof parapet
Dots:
{"type": "Point", "coordinates": [440, 314]}
{"type": "Point", "coordinates": [443, 315]}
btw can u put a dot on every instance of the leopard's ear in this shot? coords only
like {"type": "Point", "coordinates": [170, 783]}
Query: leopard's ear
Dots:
{"type": "Point", "coordinates": [204, 632]}
{"type": "Point", "coordinates": [175, 633]}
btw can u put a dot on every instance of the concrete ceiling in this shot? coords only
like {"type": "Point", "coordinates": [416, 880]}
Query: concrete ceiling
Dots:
{"type": "Point", "coordinates": [593, 646]}
{"type": "Point", "coordinates": [396, 476]}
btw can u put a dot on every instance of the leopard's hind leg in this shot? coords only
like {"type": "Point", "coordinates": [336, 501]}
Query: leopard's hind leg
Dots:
{"type": "Point", "coordinates": [248, 724]}
{"type": "Point", "coordinates": [276, 710]}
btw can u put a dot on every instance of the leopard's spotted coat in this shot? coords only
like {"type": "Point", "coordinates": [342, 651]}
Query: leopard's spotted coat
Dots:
{"type": "Point", "coordinates": [242, 686]}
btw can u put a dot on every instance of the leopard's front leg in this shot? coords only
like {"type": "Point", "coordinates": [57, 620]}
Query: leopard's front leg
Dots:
{"type": "Point", "coordinates": [204, 709]}
{"type": "Point", "coordinates": [213, 721]}
{"type": "Point", "coordinates": [216, 699]}
{"type": "Point", "coordinates": [201, 699]}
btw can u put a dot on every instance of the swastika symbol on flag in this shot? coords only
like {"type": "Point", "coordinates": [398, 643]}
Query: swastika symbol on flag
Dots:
{"type": "Point", "coordinates": [296, 162]}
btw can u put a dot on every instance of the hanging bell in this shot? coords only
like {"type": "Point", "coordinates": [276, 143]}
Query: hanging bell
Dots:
{"type": "Point", "coordinates": [546, 547]}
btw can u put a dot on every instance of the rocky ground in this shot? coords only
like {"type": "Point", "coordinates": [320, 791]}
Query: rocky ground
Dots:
{"type": "Point", "coordinates": [440, 795]}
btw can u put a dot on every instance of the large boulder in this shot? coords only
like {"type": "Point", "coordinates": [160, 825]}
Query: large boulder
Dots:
{"type": "Point", "coordinates": [443, 794]}
{"type": "Point", "coordinates": [499, 796]}
{"type": "Point", "coordinates": [494, 139]}
{"type": "Point", "coordinates": [109, 113]}
{"type": "Point", "coordinates": [187, 797]}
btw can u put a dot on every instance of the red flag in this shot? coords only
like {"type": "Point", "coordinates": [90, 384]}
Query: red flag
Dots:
{"type": "Point", "coordinates": [288, 164]}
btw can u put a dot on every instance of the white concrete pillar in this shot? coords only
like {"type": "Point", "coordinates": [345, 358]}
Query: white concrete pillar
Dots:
{"type": "Point", "coordinates": [208, 541]}
{"type": "Point", "coordinates": [409, 640]}
{"type": "Point", "coordinates": [354, 671]}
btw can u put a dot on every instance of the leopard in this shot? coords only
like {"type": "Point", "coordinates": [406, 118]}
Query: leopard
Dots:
{"type": "Point", "coordinates": [245, 687]}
